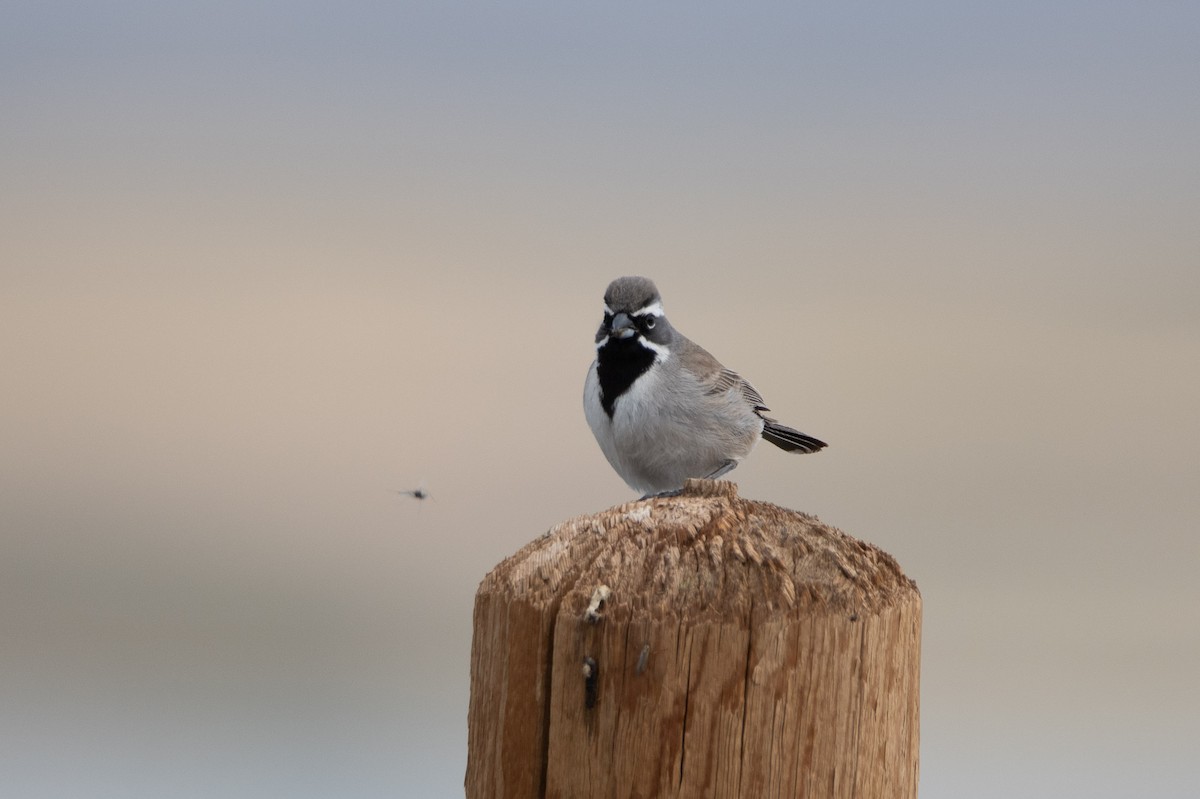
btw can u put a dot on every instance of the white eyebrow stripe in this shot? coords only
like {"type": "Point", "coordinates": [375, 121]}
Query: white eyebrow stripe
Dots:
{"type": "Point", "coordinates": [608, 310]}
{"type": "Point", "coordinates": [653, 309]}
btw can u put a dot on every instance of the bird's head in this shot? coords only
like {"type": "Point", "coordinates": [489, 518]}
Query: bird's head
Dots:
{"type": "Point", "coordinates": [633, 316]}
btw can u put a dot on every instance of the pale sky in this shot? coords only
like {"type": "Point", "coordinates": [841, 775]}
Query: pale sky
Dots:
{"type": "Point", "coordinates": [262, 265]}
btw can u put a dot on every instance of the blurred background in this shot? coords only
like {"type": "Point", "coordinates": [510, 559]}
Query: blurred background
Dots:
{"type": "Point", "coordinates": [262, 265]}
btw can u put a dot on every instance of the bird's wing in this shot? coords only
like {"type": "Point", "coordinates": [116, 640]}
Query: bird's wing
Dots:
{"type": "Point", "coordinates": [717, 379]}
{"type": "Point", "coordinates": [728, 379]}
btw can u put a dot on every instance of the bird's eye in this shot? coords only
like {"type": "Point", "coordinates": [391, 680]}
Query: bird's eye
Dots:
{"type": "Point", "coordinates": [650, 320]}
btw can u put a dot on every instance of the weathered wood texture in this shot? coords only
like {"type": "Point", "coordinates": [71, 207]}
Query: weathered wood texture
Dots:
{"type": "Point", "coordinates": [740, 650]}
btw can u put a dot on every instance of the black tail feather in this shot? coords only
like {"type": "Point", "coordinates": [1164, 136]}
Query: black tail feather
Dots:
{"type": "Point", "coordinates": [791, 440]}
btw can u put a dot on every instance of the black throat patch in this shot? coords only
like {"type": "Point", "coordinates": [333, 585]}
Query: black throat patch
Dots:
{"type": "Point", "coordinates": [618, 363]}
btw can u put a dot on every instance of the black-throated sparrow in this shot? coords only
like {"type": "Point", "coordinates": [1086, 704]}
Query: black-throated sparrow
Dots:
{"type": "Point", "coordinates": [662, 408]}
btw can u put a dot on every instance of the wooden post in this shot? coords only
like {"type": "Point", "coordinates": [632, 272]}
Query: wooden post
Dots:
{"type": "Point", "coordinates": [695, 646]}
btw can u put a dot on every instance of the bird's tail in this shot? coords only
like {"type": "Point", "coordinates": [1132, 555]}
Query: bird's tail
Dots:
{"type": "Point", "coordinates": [791, 440]}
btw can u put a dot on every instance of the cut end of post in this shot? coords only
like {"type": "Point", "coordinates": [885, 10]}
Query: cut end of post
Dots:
{"type": "Point", "coordinates": [701, 552]}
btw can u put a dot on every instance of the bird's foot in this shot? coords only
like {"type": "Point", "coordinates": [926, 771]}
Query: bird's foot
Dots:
{"type": "Point", "coordinates": [724, 468]}
{"type": "Point", "coordinates": [660, 494]}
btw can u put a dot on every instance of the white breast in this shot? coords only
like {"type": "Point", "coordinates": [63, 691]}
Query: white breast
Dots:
{"type": "Point", "coordinates": [661, 432]}
{"type": "Point", "coordinates": [630, 438]}
{"type": "Point", "coordinates": [613, 434]}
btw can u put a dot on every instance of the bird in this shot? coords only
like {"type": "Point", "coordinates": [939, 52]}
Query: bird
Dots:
{"type": "Point", "coordinates": [661, 407]}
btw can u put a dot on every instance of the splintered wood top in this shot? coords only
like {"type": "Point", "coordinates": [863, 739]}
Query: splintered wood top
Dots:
{"type": "Point", "coordinates": [703, 554]}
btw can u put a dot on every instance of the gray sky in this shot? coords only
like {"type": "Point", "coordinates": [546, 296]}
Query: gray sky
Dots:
{"type": "Point", "coordinates": [262, 265]}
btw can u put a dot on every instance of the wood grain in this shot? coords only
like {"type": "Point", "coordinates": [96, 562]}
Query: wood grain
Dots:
{"type": "Point", "coordinates": [735, 649]}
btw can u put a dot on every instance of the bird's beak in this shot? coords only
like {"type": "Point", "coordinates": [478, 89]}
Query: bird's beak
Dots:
{"type": "Point", "coordinates": [621, 326]}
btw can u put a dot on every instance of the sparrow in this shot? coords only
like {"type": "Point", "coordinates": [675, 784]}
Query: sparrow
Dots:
{"type": "Point", "coordinates": [661, 407]}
